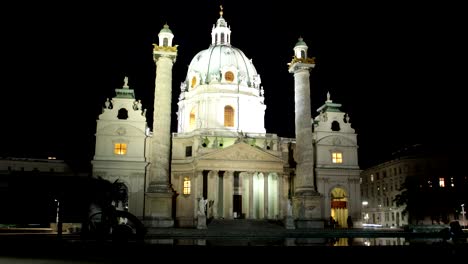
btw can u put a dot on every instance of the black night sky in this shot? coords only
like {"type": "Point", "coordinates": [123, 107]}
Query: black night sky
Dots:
{"type": "Point", "coordinates": [397, 68]}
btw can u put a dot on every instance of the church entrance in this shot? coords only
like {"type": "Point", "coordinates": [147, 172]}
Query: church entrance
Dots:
{"type": "Point", "coordinates": [242, 195]}
{"type": "Point", "coordinates": [237, 200]}
{"type": "Point", "coordinates": [339, 207]}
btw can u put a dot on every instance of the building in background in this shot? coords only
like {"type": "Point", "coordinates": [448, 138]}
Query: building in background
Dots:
{"type": "Point", "coordinates": [431, 181]}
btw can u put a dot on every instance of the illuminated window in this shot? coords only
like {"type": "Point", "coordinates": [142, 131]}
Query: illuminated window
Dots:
{"type": "Point", "coordinates": [194, 81]}
{"type": "Point", "coordinates": [442, 182]}
{"type": "Point", "coordinates": [228, 116]}
{"type": "Point", "coordinates": [372, 177]}
{"type": "Point", "coordinates": [229, 76]}
{"type": "Point", "coordinates": [337, 157]}
{"type": "Point", "coordinates": [120, 148]}
{"type": "Point", "coordinates": [192, 119]}
{"type": "Point", "coordinates": [186, 185]}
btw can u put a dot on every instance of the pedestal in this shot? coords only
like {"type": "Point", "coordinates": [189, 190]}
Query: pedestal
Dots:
{"type": "Point", "coordinates": [289, 223]}
{"type": "Point", "coordinates": [158, 210]}
{"type": "Point", "coordinates": [201, 223]}
{"type": "Point", "coordinates": [308, 210]}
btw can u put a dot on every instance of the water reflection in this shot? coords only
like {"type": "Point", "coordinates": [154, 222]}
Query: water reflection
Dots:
{"type": "Point", "coordinates": [291, 242]}
{"type": "Point", "coordinates": [370, 241]}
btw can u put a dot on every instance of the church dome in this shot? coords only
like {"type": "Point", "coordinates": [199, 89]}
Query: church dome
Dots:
{"type": "Point", "coordinates": [223, 63]}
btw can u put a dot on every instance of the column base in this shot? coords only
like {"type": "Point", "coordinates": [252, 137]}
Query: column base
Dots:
{"type": "Point", "coordinates": [158, 222]}
{"type": "Point", "coordinates": [308, 210]}
{"type": "Point", "coordinates": [289, 223]}
{"type": "Point", "coordinates": [158, 209]}
{"type": "Point", "coordinates": [310, 223]}
{"type": "Point", "coordinates": [201, 223]}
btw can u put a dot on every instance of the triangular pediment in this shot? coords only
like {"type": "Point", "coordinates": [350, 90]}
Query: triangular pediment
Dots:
{"type": "Point", "coordinates": [241, 152]}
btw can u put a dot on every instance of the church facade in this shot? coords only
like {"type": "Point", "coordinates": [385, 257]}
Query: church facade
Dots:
{"type": "Point", "coordinates": [221, 151]}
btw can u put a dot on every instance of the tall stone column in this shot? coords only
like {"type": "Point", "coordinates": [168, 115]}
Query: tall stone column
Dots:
{"type": "Point", "coordinates": [307, 202]}
{"type": "Point", "coordinates": [159, 195]}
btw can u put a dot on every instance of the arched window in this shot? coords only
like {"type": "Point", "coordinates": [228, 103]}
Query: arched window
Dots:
{"type": "Point", "coordinates": [303, 54]}
{"type": "Point", "coordinates": [165, 42]}
{"type": "Point", "coordinates": [222, 38]}
{"type": "Point", "coordinates": [122, 114]}
{"type": "Point", "coordinates": [335, 126]}
{"type": "Point", "coordinates": [194, 81]}
{"type": "Point", "coordinates": [192, 119]}
{"type": "Point", "coordinates": [228, 116]}
{"type": "Point", "coordinates": [186, 185]}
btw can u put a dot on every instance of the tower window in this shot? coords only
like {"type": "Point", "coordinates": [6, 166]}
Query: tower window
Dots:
{"type": "Point", "coordinates": [188, 151]}
{"type": "Point", "coordinates": [192, 119]}
{"type": "Point", "coordinates": [186, 185]}
{"type": "Point", "coordinates": [120, 148]}
{"type": "Point", "coordinates": [222, 38]}
{"type": "Point", "coordinates": [165, 42]}
{"type": "Point", "coordinates": [337, 157]}
{"type": "Point", "coordinates": [123, 114]}
{"type": "Point", "coordinates": [335, 126]}
{"type": "Point", "coordinates": [228, 116]}
{"type": "Point", "coordinates": [303, 54]}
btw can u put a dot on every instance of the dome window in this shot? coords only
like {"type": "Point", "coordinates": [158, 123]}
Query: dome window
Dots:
{"type": "Point", "coordinates": [228, 116]}
{"type": "Point", "coordinates": [194, 81]}
{"type": "Point", "coordinates": [192, 119]}
{"type": "Point", "coordinates": [229, 76]}
{"type": "Point", "coordinates": [165, 42]}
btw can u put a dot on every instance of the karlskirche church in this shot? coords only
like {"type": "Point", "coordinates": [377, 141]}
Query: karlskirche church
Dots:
{"type": "Point", "coordinates": [221, 155]}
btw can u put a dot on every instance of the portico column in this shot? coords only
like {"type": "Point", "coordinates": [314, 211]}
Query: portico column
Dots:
{"type": "Point", "coordinates": [251, 207]}
{"type": "Point", "coordinates": [265, 195]}
{"type": "Point", "coordinates": [197, 190]}
{"type": "Point", "coordinates": [213, 178]}
{"type": "Point", "coordinates": [228, 193]}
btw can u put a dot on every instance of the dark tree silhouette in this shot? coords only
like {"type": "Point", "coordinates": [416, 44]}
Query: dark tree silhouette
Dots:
{"type": "Point", "coordinates": [105, 221]}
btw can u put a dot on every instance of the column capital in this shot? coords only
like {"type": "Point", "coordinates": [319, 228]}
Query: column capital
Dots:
{"type": "Point", "coordinates": [299, 66]}
{"type": "Point", "coordinates": [164, 52]}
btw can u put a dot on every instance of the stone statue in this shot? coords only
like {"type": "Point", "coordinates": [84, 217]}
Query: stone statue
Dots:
{"type": "Point", "coordinates": [289, 212]}
{"type": "Point", "coordinates": [328, 97]}
{"type": "Point", "coordinates": [202, 206]}
{"type": "Point", "coordinates": [347, 118]}
{"type": "Point", "coordinates": [107, 103]}
{"type": "Point", "coordinates": [125, 82]}
{"type": "Point", "coordinates": [139, 105]}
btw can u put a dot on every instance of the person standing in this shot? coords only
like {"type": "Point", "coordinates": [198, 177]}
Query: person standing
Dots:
{"type": "Point", "coordinates": [349, 221]}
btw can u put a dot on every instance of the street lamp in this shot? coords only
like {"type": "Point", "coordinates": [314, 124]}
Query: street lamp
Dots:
{"type": "Point", "coordinates": [463, 214]}
{"type": "Point", "coordinates": [58, 221]}
{"type": "Point", "coordinates": [58, 209]}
